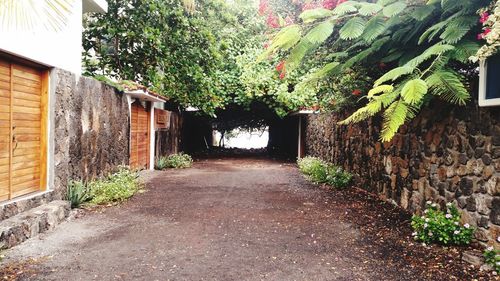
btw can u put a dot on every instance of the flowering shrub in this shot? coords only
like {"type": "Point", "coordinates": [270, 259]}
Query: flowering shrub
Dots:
{"type": "Point", "coordinates": [319, 171]}
{"type": "Point", "coordinates": [491, 31]}
{"type": "Point", "coordinates": [492, 257]}
{"type": "Point", "coordinates": [436, 226]}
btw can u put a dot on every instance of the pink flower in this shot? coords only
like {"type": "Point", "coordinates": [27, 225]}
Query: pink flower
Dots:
{"type": "Point", "coordinates": [329, 4]}
{"type": "Point", "coordinates": [272, 21]}
{"type": "Point", "coordinates": [483, 35]}
{"type": "Point", "coordinates": [263, 7]}
{"type": "Point", "coordinates": [484, 17]}
{"type": "Point", "coordinates": [282, 75]}
{"type": "Point", "coordinates": [280, 66]}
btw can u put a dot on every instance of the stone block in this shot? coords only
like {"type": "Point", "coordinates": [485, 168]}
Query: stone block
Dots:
{"type": "Point", "coordinates": [484, 204]}
{"type": "Point", "coordinates": [471, 204]}
{"type": "Point", "coordinates": [495, 211]}
{"type": "Point", "coordinates": [466, 186]}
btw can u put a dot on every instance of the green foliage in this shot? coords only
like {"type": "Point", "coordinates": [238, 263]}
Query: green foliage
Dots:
{"type": "Point", "coordinates": [77, 193]}
{"type": "Point", "coordinates": [436, 226]}
{"type": "Point", "coordinates": [492, 258]}
{"type": "Point", "coordinates": [352, 29]}
{"type": "Point", "coordinates": [161, 163]}
{"type": "Point", "coordinates": [176, 161]}
{"type": "Point", "coordinates": [188, 56]}
{"type": "Point", "coordinates": [319, 171]}
{"type": "Point", "coordinates": [114, 188]}
{"type": "Point", "coordinates": [418, 48]}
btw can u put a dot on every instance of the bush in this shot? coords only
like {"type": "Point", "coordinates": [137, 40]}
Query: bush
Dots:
{"type": "Point", "coordinates": [436, 226]}
{"type": "Point", "coordinates": [116, 187]}
{"type": "Point", "coordinates": [338, 177]}
{"type": "Point", "coordinates": [77, 193]}
{"type": "Point", "coordinates": [161, 163]}
{"type": "Point", "coordinates": [492, 257]}
{"type": "Point", "coordinates": [176, 161]}
{"type": "Point", "coordinates": [319, 171]}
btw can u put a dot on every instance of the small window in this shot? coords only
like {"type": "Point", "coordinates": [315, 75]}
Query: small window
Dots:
{"type": "Point", "coordinates": [489, 82]}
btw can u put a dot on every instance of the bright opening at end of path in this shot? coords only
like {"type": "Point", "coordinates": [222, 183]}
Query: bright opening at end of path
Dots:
{"type": "Point", "coordinates": [243, 138]}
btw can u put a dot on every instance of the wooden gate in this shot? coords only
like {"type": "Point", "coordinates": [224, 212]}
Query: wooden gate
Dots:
{"type": "Point", "coordinates": [139, 139]}
{"type": "Point", "coordinates": [23, 125]}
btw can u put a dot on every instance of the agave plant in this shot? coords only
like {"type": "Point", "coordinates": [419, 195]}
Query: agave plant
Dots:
{"type": "Point", "coordinates": [425, 45]}
{"type": "Point", "coordinates": [31, 15]}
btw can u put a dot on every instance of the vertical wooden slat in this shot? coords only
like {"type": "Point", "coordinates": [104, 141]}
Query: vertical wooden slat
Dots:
{"type": "Point", "coordinates": [11, 131]}
{"type": "Point", "coordinates": [44, 99]}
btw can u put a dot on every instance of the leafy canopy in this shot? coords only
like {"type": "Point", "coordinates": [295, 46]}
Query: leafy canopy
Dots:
{"type": "Point", "coordinates": [421, 49]}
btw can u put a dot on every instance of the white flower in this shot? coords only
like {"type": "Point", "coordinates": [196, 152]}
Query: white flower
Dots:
{"type": "Point", "coordinates": [414, 233]}
{"type": "Point", "coordinates": [423, 244]}
{"type": "Point", "coordinates": [425, 225]}
{"type": "Point", "coordinates": [456, 223]}
{"type": "Point", "coordinates": [466, 225]}
{"type": "Point", "coordinates": [448, 204]}
{"type": "Point", "coordinates": [494, 273]}
{"type": "Point", "coordinates": [498, 239]}
{"type": "Point", "coordinates": [426, 211]}
{"type": "Point", "coordinates": [428, 202]}
{"type": "Point", "coordinates": [489, 249]}
{"type": "Point", "coordinates": [456, 232]}
{"type": "Point", "coordinates": [430, 234]}
{"type": "Point", "coordinates": [448, 216]}
{"type": "Point", "coordinates": [426, 219]}
{"type": "Point", "coordinates": [434, 205]}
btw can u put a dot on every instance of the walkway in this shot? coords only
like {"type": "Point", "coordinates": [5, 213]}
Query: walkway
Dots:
{"type": "Point", "coordinates": [237, 219]}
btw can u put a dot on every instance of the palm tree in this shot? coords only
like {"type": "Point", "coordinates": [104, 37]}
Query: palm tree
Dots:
{"type": "Point", "coordinates": [31, 15]}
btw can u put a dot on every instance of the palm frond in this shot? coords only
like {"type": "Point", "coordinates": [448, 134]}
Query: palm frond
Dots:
{"type": "Point", "coordinates": [34, 15]}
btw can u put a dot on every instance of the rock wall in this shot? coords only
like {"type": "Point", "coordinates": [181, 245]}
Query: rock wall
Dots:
{"type": "Point", "coordinates": [91, 129]}
{"type": "Point", "coordinates": [446, 154]}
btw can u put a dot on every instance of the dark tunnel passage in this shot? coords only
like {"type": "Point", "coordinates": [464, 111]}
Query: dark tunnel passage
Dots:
{"type": "Point", "coordinates": [202, 133]}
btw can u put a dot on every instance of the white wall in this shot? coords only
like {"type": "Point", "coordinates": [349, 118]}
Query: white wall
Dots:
{"type": "Point", "coordinates": [60, 48]}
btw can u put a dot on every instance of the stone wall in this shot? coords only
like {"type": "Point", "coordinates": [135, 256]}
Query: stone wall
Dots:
{"type": "Point", "coordinates": [446, 154]}
{"type": "Point", "coordinates": [91, 129]}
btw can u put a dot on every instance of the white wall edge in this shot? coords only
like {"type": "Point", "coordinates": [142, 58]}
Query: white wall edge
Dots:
{"type": "Point", "coordinates": [152, 136]}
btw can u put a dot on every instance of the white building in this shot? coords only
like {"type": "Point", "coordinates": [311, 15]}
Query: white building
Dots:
{"type": "Point", "coordinates": [61, 47]}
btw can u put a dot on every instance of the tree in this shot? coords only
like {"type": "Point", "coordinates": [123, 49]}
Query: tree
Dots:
{"type": "Point", "coordinates": [187, 56]}
{"type": "Point", "coordinates": [422, 46]}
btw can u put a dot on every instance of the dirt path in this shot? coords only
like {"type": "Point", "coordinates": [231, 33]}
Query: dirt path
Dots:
{"type": "Point", "coordinates": [237, 220]}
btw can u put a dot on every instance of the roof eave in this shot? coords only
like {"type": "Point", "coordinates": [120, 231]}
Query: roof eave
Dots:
{"type": "Point", "coordinates": [95, 6]}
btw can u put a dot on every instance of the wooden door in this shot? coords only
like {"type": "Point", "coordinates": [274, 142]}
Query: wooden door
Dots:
{"type": "Point", "coordinates": [23, 119]}
{"type": "Point", "coordinates": [139, 139]}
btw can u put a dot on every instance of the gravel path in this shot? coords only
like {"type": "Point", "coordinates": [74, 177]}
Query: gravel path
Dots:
{"type": "Point", "coordinates": [236, 219]}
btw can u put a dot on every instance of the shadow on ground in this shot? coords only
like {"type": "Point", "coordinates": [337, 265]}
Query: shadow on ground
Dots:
{"type": "Point", "coordinates": [237, 219]}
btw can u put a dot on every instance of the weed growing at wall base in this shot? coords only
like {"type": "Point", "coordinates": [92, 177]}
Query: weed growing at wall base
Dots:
{"type": "Point", "coordinates": [77, 193]}
{"type": "Point", "coordinates": [437, 226]}
{"type": "Point", "coordinates": [320, 171]}
{"type": "Point", "coordinates": [176, 161]}
{"type": "Point", "coordinates": [116, 187]}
